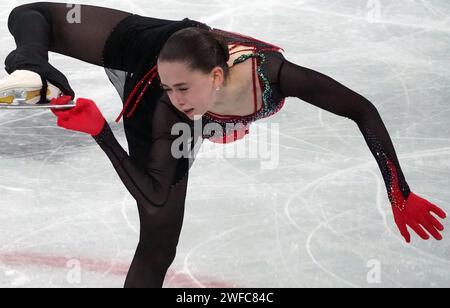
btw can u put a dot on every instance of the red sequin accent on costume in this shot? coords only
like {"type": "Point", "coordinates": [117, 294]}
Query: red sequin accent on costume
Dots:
{"type": "Point", "coordinates": [239, 133]}
{"type": "Point", "coordinates": [147, 79]}
{"type": "Point", "coordinates": [397, 198]}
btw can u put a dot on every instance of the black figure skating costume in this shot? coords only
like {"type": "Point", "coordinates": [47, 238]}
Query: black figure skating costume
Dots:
{"type": "Point", "coordinates": [127, 46]}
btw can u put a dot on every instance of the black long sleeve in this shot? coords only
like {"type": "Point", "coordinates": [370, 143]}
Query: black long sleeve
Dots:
{"type": "Point", "coordinates": [150, 186]}
{"type": "Point", "coordinates": [328, 94]}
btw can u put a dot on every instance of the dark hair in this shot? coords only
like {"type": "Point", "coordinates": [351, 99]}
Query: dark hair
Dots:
{"type": "Point", "coordinates": [199, 48]}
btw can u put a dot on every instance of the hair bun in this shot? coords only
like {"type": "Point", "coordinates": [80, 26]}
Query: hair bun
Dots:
{"type": "Point", "coordinates": [225, 50]}
{"type": "Point", "coordinates": [222, 44]}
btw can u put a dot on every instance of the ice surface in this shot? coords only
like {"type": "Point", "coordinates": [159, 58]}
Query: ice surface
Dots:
{"type": "Point", "coordinates": [321, 218]}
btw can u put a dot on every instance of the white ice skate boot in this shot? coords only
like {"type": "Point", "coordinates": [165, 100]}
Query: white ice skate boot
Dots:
{"type": "Point", "coordinates": [22, 90]}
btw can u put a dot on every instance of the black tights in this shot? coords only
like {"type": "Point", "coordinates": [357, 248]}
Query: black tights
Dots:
{"type": "Point", "coordinates": [158, 243]}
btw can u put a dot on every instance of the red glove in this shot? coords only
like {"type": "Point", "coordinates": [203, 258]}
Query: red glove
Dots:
{"type": "Point", "coordinates": [415, 213]}
{"type": "Point", "coordinates": [85, 117]}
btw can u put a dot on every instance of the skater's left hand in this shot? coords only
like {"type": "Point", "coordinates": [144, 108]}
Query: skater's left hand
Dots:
{"type": "Point", "coordinates": [415, 212]}
{"type": "Point", "coordinates": [85, 117]}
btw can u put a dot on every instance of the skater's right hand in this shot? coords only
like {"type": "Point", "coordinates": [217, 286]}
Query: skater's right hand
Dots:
{"type": "Point", "coordinates": [85, 117]}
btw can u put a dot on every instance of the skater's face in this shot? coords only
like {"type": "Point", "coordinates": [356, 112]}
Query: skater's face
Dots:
{"type": "Point", "coordinates": [191, 91]}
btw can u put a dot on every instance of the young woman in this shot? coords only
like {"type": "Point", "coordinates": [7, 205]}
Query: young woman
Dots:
{"type": "Point", "coordinates": [166, 72]}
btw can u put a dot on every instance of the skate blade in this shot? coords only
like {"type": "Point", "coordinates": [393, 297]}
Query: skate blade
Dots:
{"type": "Point", "coordinates": [70, 104]}
{"type": "Point", "coordinates": [27, 95]}
{"type": "Point", "coordinates": [26, 99]}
